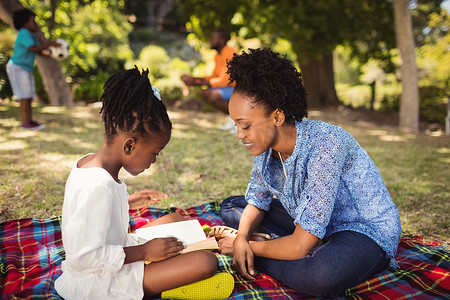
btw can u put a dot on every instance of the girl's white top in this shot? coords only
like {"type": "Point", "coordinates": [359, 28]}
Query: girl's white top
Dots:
{"type": "Point", "coordinates": [94, 231]}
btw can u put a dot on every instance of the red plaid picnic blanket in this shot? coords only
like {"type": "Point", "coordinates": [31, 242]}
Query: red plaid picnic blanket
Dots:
{"type": "Point", "coordinates": [32, 252]}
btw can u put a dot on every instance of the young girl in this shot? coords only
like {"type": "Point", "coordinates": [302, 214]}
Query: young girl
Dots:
{"type": "Point", "coordinates": [21, 65]}
{"type": "Point", "coordinates": [102, 260]}
{"type": "Point", "coordinates": [332, 221]}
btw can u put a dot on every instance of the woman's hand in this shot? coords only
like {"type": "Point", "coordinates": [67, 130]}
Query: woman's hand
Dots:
{"type": "Point", "coordinates": [162, 248]}
{"type": "Point", "coordinates": [243, 258]}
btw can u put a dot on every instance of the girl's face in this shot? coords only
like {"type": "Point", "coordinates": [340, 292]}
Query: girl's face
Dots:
{"type": "Point", "coordinates": [31, 24]}
{"type": "Point", "coordinates": [143, 153]}
{"type": "Point", "coordinates": [255, 128]}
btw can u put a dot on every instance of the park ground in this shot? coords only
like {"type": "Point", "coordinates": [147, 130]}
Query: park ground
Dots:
{"type": "Point", "coordinates": [202, 163]}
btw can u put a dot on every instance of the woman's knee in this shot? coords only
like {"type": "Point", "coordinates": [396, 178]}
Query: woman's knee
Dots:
{"type": "Point", "coordinates": [231, 209]}
{"type": "Point", "coordinates": [326, 286]}
{"type": "Point", "coordinates": [318, 285]}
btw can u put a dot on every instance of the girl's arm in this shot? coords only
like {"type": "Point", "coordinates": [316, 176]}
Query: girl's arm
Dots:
{"type": "Point", "coordinates": [39, 48]}
{"type": "Point", "coordinates": [154, 250]}
{"type": "Point", "coordinates": [133, 254]}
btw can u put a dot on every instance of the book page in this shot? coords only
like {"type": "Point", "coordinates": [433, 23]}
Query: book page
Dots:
{"type": "Point", "coordinates": [188, 232]}
{"type": "Point", "coordinates": [208, 244]}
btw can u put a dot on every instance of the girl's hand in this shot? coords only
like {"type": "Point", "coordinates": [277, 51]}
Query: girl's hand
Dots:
{"type": "Point", "coordinates": [226, 245]}
{"type": "Point", "coordinates": [162, 248]}
{"type": "Point", "coordinates": [54, 44]}
{"type": "Point", "coordinates": [45, 52]}
{"type": "Point", "coordinates": [243, 258]}
{"type": "Point", "coordinates": [145, 198]}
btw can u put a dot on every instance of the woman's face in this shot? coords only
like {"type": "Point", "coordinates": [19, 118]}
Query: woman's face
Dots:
{"type": "Point", "coordinates": [255, 128]}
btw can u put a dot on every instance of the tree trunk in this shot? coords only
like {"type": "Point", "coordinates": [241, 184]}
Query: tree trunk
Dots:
{"type": "Point", "coordinates": [409, 101]}
{"type": "Point", "coordinates": [52, 76]}
{"type": "Point", "coordinates": [318, 79]}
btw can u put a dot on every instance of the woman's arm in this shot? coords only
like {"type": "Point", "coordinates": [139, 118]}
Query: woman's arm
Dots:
{"type": "Point", "coordinates": [242, 252]}
{"type": "Point", "coordinates": [291, 247]}
{"type": "Point", "coordinates": [250, 220]}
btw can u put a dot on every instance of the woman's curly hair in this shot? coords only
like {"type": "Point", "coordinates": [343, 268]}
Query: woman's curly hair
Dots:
{"type": "Point", "coordinates": [129, 105]}
{"type": "Point", "coordinates": [269, 80]}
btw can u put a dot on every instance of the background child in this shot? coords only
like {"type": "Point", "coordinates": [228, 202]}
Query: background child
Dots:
{"type": "Point", "coordinates": [21, 65]}
{"type": "Point", "coordinates": [102, 260]}
{"type": "Point", "coordinates": [333, 222]}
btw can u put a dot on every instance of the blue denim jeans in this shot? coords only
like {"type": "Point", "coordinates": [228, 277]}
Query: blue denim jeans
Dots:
{"type": "Point", "coordinates": [344, 260]}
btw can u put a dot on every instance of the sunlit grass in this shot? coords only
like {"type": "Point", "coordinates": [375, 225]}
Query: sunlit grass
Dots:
{"type": "Point", "coordinates": [202, 164]}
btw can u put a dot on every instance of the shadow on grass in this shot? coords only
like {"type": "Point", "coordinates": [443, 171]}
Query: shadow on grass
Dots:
{"type": "Point", "coordinates": [35, 164]}
{"type": "Point", "coordinates": [202, 163]}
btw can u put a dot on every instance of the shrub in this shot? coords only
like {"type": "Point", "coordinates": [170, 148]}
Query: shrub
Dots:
{"type": "Point", "coordinates": [432, 104]}
{"type": "Point", "coordinates": [7, 39]}
{"type": "Point", "coordinates": [90, 90]}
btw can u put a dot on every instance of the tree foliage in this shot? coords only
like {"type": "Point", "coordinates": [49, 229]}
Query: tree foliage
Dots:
{"type": "Point", "coordinates": [314, 27]}
{"type": "Point", "coordinates": [97, 32]}
{"type": "Point", "coordinates": [99, 38]}
{"type": "Point", "coordinates": [434, 54]}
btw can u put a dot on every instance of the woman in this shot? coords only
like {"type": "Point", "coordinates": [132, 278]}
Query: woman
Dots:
{"type": "Point", "coordinates": [313, 188]}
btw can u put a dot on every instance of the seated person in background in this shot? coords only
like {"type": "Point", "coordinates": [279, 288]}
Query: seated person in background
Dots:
{"type": "Point", "coordinates": [219, 90]}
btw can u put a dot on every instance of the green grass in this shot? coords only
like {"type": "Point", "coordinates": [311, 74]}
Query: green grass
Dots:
{"type": "Point", "coordinates": [202, 163]}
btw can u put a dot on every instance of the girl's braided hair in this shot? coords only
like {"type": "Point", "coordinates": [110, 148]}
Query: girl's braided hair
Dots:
{"type": "Point", "coordinates": [271, 81]}
{"type": "Point", "coordinates": [129, 105]}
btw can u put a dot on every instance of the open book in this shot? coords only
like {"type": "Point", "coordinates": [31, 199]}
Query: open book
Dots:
{"type": "Point", "coordinates": [190, 232]}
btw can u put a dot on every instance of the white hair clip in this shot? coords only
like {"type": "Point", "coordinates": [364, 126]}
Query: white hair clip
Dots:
{"type": "Point", "coordinates": [156, 92]}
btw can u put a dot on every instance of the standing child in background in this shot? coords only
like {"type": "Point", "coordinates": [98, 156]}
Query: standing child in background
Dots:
{"type": "Point", "coordinates": [102, 260]}
{"type": "Point", "coordinates": [312, 187]}
{"type": "Point", "coordinates": [21, 65]}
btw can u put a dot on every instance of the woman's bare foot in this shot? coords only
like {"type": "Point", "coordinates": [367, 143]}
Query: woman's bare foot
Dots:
{"type": "Point", "coordinates": [220, 232]}
{"type": "Point", "coordinates": [226, 235]}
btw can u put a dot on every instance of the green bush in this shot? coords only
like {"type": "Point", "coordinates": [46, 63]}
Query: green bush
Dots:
{"type": "Point", "coordinates": [7, 39]}
{"type": "Point", "coordinates": [164, 72]}
{"type": "Point", "coordinates": [354, 95]}
{"type": "Point", "coordinates": [390, 102]}
{"type": "Point", "coordinates": [90, 90]}
{"type": "Point", "coordinates": [170, 89]}
{"type": "Point", "coordinates": [154, 58]}
{"type": "Point", "coordinates": [432, 104]}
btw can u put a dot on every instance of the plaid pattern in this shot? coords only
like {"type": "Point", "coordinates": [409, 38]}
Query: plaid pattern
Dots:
{"type": "Point", "coordinates": [31, 254]}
